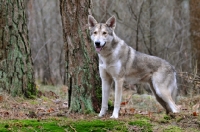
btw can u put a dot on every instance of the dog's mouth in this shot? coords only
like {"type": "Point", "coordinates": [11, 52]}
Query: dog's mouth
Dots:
{"type": "Point", "coordinates": [99, 48]}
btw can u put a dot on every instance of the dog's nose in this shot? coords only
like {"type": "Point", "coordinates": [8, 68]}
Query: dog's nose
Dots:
{"type": "Point", "coordinates": [97, 43]}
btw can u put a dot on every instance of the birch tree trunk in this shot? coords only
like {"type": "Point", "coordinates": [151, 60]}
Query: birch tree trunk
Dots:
{"type": "Point", "coordinates": [16, 73]}
{"type": "Point", "coordinates": [82, 76]}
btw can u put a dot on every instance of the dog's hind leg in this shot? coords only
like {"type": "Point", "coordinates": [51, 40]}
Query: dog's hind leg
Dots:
{"type": "Point", "coordinates": [174, 90]}
{"type": "Point", "coordinates": [106, 84]}
{"type": "Point", "coordinates": [163, 88]}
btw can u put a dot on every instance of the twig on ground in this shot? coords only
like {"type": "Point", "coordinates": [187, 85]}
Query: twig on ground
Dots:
{"type": "Point", "coordinates": [72, 128]}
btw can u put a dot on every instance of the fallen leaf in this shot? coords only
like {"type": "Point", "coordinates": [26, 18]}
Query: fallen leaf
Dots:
{"type": "Point", "coordinates": [50, 110]}
{"type": "Point", "coordinates": [1, 98]}
{"type": "Point", "coordinates": [132, 110]}
{"type": "Point", "coordinates": [194, 113]}
{"type": "Point", "coordinates": [124, 103]}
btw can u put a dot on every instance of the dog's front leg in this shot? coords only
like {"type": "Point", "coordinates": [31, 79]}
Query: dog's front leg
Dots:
{"type": "Point", "coordinates": [118, 95]}
{"type": "Point", "coordinates": [106, 84]}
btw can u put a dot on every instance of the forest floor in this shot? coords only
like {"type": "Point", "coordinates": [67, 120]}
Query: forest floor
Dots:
{"type": "Point", "coordinates": [139, 113]}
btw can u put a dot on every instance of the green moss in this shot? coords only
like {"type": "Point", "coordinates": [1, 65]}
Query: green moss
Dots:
{"type": "Point", "coordinates": [144, 125]}
{"type": "Point", "coordinates": [62, 125]}
{"type": "Point", "coordinates": [163, 121]}
{"type": "Point", "coordinates": [33, 102]}
{"type": "Point", "coordinates": [97, 126]}
{"type": "Point", "coordinates": [166, 117]}
{"type": "Point", "coordinates": [98, 92]}
{"type": "Point", "coordinates": [31, 126]}
{"type": "Point", "coordinates": [172, 129]}
{"type": "Point", "coordinates": [31, 90]}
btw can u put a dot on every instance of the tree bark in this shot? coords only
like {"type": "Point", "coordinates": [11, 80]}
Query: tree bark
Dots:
{"type": "Point", "coordinates": [195, 30]}
{"type": "Point", "coordinates": [16, 73]}
{"type": "Point", "coordinates": [82, 76]}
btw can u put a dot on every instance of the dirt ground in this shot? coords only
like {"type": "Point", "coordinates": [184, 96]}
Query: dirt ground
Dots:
{"type": "Point", "coordinates": [53, 103]}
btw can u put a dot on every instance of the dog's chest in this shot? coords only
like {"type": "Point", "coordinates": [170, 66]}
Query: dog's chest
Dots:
{"type": "Point", "coordinates": [102, 63]}
{"type": "Point", "coordinates": [112, 66]}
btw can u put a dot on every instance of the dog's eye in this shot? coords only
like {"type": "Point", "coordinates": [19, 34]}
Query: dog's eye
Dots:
{"type": "Point", "coordinates": [95, 32]}
{"type": "Point", "coordinates": [104, 33]}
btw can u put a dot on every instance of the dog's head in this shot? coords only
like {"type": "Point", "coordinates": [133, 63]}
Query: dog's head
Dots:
{"type": "Point", "coordinates": [101, 33]}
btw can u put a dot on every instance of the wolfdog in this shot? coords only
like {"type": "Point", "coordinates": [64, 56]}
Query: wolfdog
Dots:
{"type": "Point", "coordinates": [120, 63]}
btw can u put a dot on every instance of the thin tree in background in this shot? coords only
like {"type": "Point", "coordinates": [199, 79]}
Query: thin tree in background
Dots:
{"type": "Point", "coordinates": [195, 30]}
{"type": "Point", "coordinates": [82, 75]}
{"type": "Point", "coordinates": [16, 73]}
{"type": "Point", "coordinates": [46, 40]}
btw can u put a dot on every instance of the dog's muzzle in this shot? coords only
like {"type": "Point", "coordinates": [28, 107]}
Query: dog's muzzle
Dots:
{"type": "Point", "coordinates": [98, 46]}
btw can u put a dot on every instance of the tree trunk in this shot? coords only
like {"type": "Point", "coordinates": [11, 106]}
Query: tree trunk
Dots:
{"type": "Point", "coordinates": [82, 76]}
{"type": "Point", "coordinates": [195, 29]}
{"type": "Point", "coordinates": [16, 73]}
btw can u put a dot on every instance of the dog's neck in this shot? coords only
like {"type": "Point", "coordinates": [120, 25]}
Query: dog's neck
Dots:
{"type": "Point", "coordinates": [116, 38]}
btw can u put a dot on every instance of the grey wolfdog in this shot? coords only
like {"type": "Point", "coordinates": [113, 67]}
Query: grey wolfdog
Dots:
{"type": "Point", "coordinates": [120, 63]}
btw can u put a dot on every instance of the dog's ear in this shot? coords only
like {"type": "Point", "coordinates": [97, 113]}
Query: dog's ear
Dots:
{"type": "Point", "coordinates": [91, 21]}
{"type": "Point", "coordinates": [111, 22]}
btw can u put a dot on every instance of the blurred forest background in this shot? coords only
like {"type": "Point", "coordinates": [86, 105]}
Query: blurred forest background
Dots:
{"type": "Point", "coordinates": [168, 29]}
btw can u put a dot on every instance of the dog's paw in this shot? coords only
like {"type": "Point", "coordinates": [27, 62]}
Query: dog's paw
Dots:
{"type": "Point", "coordinates": [100, 115]}
{"type": "Point", "coordinates": [114, 116]}
{"type": "Point", "coordinates": [102, 112]}
{"type": "Point", "coordinates": [115, 113]}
